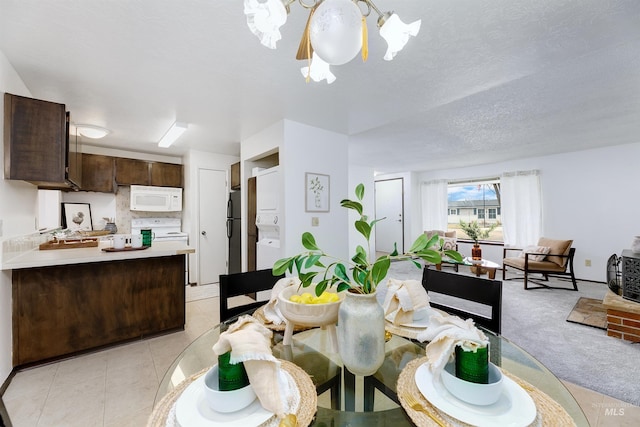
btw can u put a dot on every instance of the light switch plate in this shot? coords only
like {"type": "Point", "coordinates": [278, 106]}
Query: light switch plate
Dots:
{"type": "Point", "coordinates": [315, 221]}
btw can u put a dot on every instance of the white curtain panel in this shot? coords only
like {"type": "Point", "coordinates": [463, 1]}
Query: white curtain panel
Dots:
{"type": "Point", "coordinates": [434, 205]}
{"type": "Point", "coordinates": [521, 204]}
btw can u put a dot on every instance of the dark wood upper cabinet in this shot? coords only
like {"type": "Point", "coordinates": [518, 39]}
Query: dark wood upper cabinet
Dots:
{"type": "Point", "coordinates": [165, 174]}
{"type": "Point", "coordinates": [99, 173]}
{"type": "Point", "coordinates": [132, 172]}
{"type": "Point", "coordinates": [235, 176]}
{"type": "Point", "coordinates": [36, 143]}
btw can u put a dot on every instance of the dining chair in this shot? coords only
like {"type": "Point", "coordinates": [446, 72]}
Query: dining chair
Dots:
{"type": "Point", "coordinates": [247, 283]}
{"type": "Point", "coordinates": [326, 374]}
{"type": "Point", "coordinates": [465, 288]}
{"type": "Point", "coordinates": [462, 295]}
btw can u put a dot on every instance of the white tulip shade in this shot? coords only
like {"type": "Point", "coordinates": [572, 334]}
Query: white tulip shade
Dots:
{"type": "Point", "coordinates": [320, 70]}
{"type": "Point", "coordinates": [264, 19]}
{"type": "Point", "coordinates": [397, 34]}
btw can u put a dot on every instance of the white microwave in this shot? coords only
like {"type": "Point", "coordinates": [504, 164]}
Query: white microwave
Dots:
{"type": "Point", "coordinates": [155, 199]}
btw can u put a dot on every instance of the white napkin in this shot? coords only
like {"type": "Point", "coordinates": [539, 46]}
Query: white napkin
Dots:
{"type": "Point", "coordinates": [401, 298]}
{"type": "Point", "coordinates": [271, 311]}
{"type": "Point", "coordinates": [250, 342]}
{"type": "Point", "coordinates": [445, 332]}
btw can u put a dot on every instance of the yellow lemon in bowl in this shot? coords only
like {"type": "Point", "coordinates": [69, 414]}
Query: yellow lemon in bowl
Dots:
{"type": "Point", "coordinates": [308, 298]}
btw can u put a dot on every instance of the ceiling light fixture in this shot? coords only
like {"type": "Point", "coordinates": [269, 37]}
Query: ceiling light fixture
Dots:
{"type": "Point", "coordinates": [335, 32]}
{"type": "Point", "coordinates": [174, 132]}
{"type": "Point", "coordinates": [91, 131]}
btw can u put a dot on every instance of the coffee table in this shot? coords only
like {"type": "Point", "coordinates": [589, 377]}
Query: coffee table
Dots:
{"type": "Point", "coordinates": [478, 268]}
{"type": "Point", "coordinates": [483, 267]}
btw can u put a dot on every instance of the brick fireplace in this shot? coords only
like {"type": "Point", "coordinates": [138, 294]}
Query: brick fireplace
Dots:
{"type": "Point", "coordinates": [623, 317]}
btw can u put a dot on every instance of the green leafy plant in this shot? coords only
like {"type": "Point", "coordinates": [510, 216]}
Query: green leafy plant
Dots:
{"type": "Point", "coordinates": [474, 231]}
{"type": "Point", "coordinates": [359, 274]}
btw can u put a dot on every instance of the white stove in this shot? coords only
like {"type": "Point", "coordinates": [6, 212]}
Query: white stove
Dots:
{"type": "Point", "coordinates": [163, 229]}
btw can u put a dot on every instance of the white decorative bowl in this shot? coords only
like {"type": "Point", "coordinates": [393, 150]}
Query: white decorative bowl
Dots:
{"type": "Point", "coordinates": [308, 314]}
{"type": "Point", "coordinates": [225, 401]}
{"type": "Point", "coordinates": [473, 393]}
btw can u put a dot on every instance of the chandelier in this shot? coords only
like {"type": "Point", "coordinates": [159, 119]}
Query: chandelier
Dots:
{"type": "Point", "coordinates": [336, 31]}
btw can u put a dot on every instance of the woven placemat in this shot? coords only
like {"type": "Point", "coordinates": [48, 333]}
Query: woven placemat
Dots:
{"type": "Point", "coordinates": [549, 412]}
{"type": "Point", "coordinates": [305, 413]}
{"type": "Point", "coordinates": [259, 314]}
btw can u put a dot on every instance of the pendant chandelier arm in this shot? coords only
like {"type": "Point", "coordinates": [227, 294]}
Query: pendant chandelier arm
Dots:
{"type": "Point", "coordinates": [303, 4]}
{"type": "Point", "coordinates": [382, 16]}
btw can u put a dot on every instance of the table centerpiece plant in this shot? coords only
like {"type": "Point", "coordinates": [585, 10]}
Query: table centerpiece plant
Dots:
{"type": "Point", "coordinates": [360, 317]}
{"type": "Point", "coordinates": [362, 275]}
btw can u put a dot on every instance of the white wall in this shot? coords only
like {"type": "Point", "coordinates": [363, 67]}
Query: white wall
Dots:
{"type": "Point", "coordinates": [301, 149]}
{"type": "Point", "coordinates": [264, 144]}
{"type": "Point", "coordinates": [310, 149]}
{"type": "Point", "coordinates": [18, 208]}
{"type": "Point", "coordinates": [194, 161]}
{"type": "Point", "coordinates": [589, 196]}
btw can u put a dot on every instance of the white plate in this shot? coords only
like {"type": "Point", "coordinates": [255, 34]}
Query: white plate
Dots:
{"type": "Point", "coordinates": [514, 407]}
{"type": "Point", "coordinates": [424, 313]}
{"type": "Point", "coordinates": [192, 411]}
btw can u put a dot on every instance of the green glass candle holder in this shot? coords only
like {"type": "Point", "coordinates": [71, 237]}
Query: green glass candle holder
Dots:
{"type": "Point", "coordinates": [231, 377]}
{"type": "Point", "coordinates": [473, 366]}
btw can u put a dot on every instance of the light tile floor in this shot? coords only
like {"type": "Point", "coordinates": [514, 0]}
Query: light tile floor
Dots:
{"type": "Point", "coordinates": [116, 387]}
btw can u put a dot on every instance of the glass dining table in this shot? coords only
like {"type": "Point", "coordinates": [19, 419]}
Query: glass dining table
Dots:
{"type": "Point", "coordinates": [345, 399]}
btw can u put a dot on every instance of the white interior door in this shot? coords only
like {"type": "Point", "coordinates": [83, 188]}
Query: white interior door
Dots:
{"type": "Point", "coordinates": [389, 204]}
{"type": "Point", "coordinates": [212, 237]}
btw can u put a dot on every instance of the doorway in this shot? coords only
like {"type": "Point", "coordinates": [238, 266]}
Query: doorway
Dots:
{"type": "Point", "coordinates": [212, 228]}
{"type": "Point", "coordinates": [389, 204]}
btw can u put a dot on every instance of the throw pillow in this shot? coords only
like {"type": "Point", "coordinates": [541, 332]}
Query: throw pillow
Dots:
{"type": "Point", "coordinates": [449, 244]}
{"type": "Point", "coordinates": [558, 247]}
{"type": "Point", "coordinates": [540, 251]}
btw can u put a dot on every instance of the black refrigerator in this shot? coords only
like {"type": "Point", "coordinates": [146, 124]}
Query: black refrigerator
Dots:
{"type": "Point", "coordinates": [233, 232]}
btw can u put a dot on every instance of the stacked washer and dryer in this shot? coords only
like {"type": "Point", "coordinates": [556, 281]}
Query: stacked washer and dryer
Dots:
{"type": "Point", "coordinates": [269, 218]}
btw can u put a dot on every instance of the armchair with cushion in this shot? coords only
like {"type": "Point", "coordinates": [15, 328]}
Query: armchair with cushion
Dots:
{"type": "Point", "coordinates": [549, 257]}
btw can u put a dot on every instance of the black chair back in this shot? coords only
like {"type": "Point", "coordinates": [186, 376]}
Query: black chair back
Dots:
{"type": "Point", "coordinates": [470, 288]}
{"type": "Point", "coordinates": [232, 285]}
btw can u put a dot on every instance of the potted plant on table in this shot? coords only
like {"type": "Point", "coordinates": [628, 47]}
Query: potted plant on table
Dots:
{"type": "Point", "coordinates": [475, 233]}
{"type": "Point", "coordinates": [360, 318]}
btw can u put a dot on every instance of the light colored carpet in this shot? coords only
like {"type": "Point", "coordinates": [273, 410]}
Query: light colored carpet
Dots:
{"type": "Point", "coordinates": [535, 320]}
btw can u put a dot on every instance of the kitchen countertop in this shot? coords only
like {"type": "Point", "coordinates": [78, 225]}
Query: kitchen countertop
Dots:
{"type": "Point", "coordinates": [45, 258]}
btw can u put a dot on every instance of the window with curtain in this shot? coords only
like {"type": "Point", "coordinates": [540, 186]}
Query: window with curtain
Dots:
{"type": "Point", "coordinates": [434, 205]}
{"type": "Point", "coordinates": [521, 207]}
{"type": "Point", "coordinates": [475, 200]}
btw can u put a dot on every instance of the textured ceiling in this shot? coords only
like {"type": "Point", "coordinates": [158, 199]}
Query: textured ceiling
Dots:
{"type": "Point", "coordinates": [485, 80]}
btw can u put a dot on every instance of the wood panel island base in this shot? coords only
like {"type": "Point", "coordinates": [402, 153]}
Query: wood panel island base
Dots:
{"type": "Point", "coordinates": [61, 310]}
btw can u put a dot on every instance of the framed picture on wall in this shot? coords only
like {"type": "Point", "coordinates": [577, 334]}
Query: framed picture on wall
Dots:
{"type": "Point", "coordinates": [76, 216]}
{"type": "Point", "coordinates": [316, 192]}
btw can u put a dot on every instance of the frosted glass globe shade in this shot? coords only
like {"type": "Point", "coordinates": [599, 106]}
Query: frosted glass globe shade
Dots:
{"type": "Point", "coordinates": [336, 31]}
